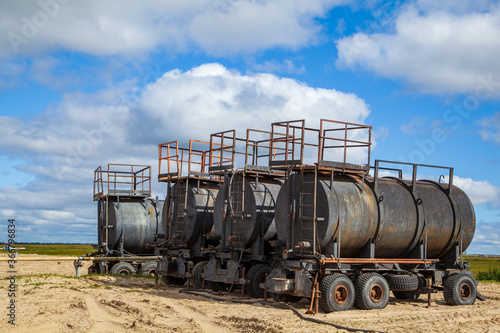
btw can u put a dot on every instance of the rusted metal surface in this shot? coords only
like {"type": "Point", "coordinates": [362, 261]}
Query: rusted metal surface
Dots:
{"type": "Point", "coordinates": [122, 180]}
{"type": "Point", "coordinates": [188, 208]}
{"type": "Point", "coordinates": [292, 144]}
{"type": "Point", "coordinates": [342, 207]}
{"type": "Point", "coordinates": [128, 225]}
{"type": "Point", "coordinates": [346, 137]}
{"type": "Point", "coordinates": [244, 208]}
{"type": "Point", "coordinates": [309, 188]}
{"type": "Point", "coordinates": [188, 213]}
{"type": "Point", "coordinates": [245, 212]}
{"type": "Point", "coordinates": [189, 205]}
{"type": "Point", "coordinates": [377, 261]}
{"type": "Point", "coordinates": [127, 219]}
{"type": "Point", "coordinates": [175, 162]}
{"type": "Point", "coordinates": [351, 214]}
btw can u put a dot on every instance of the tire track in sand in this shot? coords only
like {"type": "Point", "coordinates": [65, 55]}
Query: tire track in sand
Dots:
{"type": "Point", "coordinates": [198, 316]}
{"type": "Point", "coordinates": [100, 319]}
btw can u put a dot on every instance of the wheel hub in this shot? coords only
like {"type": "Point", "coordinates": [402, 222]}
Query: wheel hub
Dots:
{"type": "Point", "coordinates": [465, 291]}
{"type": "Point", "coordinates": [376, 293]}
{"type": "Point", "coordinates": [341, 295]}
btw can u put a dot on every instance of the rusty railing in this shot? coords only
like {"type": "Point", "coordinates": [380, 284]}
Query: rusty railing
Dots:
{"type": "Point", "coordinates": [122, 180]}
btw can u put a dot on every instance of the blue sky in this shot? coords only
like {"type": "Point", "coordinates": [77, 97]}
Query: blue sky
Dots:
{"type": "Point", "coordinates": [424, 74]}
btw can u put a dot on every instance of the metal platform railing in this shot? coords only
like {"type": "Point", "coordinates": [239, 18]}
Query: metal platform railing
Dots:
{"type": "Point", "coordinates": [334, 144]}
{"type": "Point", "coordinates": [175, 162]}
{"type": "Point", "coordinates": [232, 152]}
{"type": "Point", "coordinates": [122, 180]}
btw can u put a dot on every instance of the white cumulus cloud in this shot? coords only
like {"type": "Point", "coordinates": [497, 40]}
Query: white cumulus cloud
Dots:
{"type": "Point", "coordinates": [436, 47]}
{"type": "Point", "coordinates": [486, 238]}
{"type": "Point", "coordinates": [131, 27]}
{"type": "Point", "coordinates": [62, 147]}
{"type": "Point", "coordinates": [211, 97]}
{"type": "Point", "coordinates": [480, 192]}
{"type": "Point", "coordinates": [9, 213]}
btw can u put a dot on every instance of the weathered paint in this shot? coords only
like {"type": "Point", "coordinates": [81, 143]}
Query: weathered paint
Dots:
{"type": "Point", "coordinates": [133, 221]}
{"type": "Point", "coordinates": [197, 219]}
{"type": "Point", "coordinates": [393, 216]}
{"type": "Point", "coordinates": [257, 216]}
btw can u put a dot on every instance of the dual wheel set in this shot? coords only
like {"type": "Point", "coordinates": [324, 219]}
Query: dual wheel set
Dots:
{"type": "Point", "coordinates": [340, 293]}
{"type": "Point", "coordinates": [371, 290]}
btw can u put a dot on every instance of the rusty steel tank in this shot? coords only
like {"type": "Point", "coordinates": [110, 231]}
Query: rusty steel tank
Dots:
{"type": "Point", "coordinates": [353, 212]}
{"type": "Point", "coordinates": [132, 223]}
{"type": "Point", "coordinates": [252, 201]}
{"type": "Point", "coordinates": [191, 213]}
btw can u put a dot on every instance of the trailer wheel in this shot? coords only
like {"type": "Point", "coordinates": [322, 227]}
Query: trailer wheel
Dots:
{"type": "Point", "coordinates": [257, 275]}
{"type": "Point", "coordinates": [177, 281]}
{"type": "Point", "coordinates": [459, 289]}
{"type": "Point", "coordinates": [405, 295]}
{"type": "Point", "coordinates": [402, 282]}
{"type": "Point", "coordinates": [337, 293]}
{"type": "Point", "coordinates": [148, 269]}
{"type": "Point", "coordinates": [122, 268]}
{"type": "Point", "coordinates": [372, 291]}
{"type": "Point", "coordinates": [196, 273]}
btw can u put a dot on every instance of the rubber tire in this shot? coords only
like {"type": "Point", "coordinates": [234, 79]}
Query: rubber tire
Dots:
{"type": "Point", "coordinates": [364, 286]}
{"type": "Point", "coordinates": [456, 288]}
{"type": "Point", "coordinates": [472, 276]}
{"type": "Point", "coordinates": [176, 281]}
{"type": "Point", "coordinates": [285, 298]}
{"type": "Point", "coordinates": [402, 282]}
{"type": "Point", "coordinates": [256, 274]}
{"type": "Point", "coordinates": [328, 287]}
{"type": "Point", "coordinates": [405, 295]}
{"type": "Point", "coordinates": [148, 268]}
{"type": "Point", "coordinates": [196, 272]}
{"type": "Point", "coordinates": [122, 268]}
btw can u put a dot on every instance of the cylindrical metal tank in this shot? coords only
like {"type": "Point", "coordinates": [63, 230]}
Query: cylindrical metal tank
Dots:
{"type": "Point", "coordinates": [132, 223]}
{"type": "Point", "coordinates": [192, 210]}
{"type": "Point", "coordinates": [391, 216]}
{"type": "Point", "coordinates": [252, 201]}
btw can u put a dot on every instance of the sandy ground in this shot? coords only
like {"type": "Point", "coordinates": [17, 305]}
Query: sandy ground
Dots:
{"type": "Point", "coordinates": [63, 303]}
